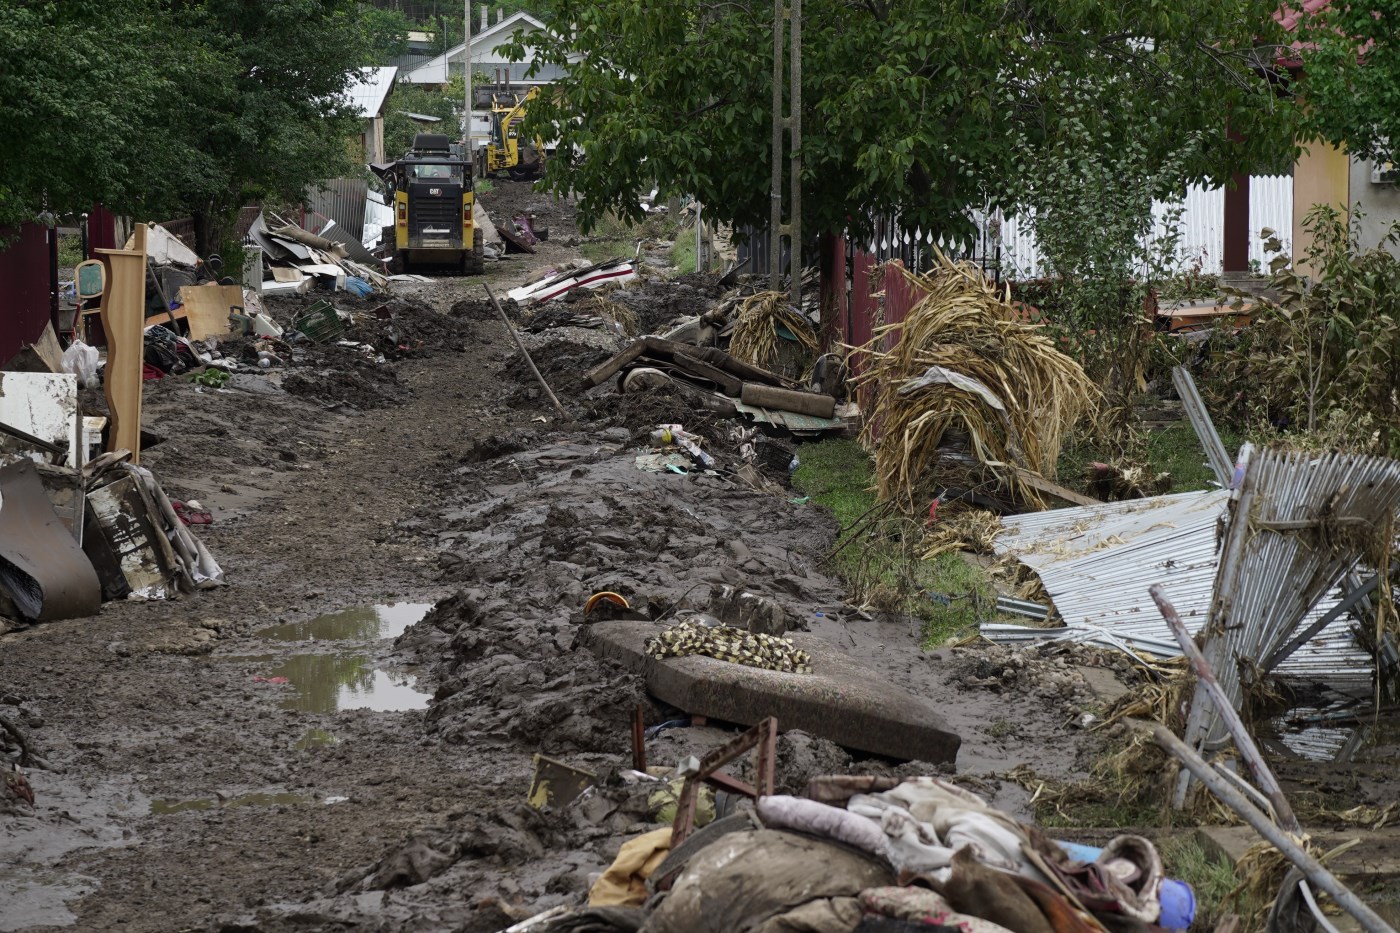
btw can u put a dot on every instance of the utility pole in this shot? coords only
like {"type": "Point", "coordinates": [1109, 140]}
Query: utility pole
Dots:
{"type": "Point", "coordinates": [467, 35]}
{"type": "Point", "coordinates": [787, 16]}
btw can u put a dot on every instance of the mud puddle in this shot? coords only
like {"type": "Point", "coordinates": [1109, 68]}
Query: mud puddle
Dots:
{"type": "Point", "coordinates": [331, 683]}
{"type": "Point", "coordinates": [364, 623]}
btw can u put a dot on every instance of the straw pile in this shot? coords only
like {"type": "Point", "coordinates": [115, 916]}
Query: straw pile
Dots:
{"type": "Point", "coordinates": [968, 392]}
{"type": "Point", "coordinates": [973, 530]}
{"type": "Point", "coordinates": [759, 338]}
{"type": "Point", "coordinates": [597, 303]}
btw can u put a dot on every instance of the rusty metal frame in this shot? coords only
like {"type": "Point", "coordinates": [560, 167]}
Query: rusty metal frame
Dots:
{"type": "Point", "coordinates": [762, 739]}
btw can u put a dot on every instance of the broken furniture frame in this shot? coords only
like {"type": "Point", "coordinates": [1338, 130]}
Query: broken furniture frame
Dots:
{"type": "Point", "coordinates": [762, 739]}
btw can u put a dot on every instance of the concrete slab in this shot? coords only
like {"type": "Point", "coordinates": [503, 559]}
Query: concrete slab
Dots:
{"type": "Point", "coordinates": [841, 700]}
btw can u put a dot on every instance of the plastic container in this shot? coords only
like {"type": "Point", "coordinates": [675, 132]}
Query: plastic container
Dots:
{"type": "Point", "coordinates": [1178, 904]}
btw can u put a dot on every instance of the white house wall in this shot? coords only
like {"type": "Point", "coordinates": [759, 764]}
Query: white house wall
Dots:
{"type": "Point", "coordinates": [1202, 222]}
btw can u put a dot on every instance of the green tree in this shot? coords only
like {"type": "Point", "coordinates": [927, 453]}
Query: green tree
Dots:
{"type": "Point", "coordinates": [1351, 75]}
{"type": "Point", "coordinates": [388, 32]}
{"type": "Point", "coordinates": [261, 113]}
{"type": "Point", "coordinates": [81, 97]}
{"type": "Point", "coordinates": [920, 107]}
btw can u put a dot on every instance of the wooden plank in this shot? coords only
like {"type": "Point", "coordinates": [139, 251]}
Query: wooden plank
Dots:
{"type": "Point", "coordinates": [1041, 484]}
{"type": "Point", "coordinates": [123, 320]}
{"type": "Point", "coordinates": [42, 356]}
{"type": "Point", "coordinates": [514, 239]}
{"type": "Point", "coordinates": [207, 308]}
{"type": "Point", "coordinates": [606, 370]}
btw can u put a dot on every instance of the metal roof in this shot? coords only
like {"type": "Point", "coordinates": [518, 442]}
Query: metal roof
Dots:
{"type": "Point", "coordinates": [368, 94]}
{"type": "Point", "coordinates": [1096, 563]}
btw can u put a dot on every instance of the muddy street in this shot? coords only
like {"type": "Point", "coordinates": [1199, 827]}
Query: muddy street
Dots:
{"type": "Point", "coordinates": [345, 732]}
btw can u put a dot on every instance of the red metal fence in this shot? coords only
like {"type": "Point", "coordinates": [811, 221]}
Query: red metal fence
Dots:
{"type": "Point", "coordinates": [24, 287]}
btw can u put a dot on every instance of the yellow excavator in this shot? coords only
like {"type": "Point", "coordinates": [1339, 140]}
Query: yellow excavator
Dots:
{"type": "Point", "coordinates": [506, 152]}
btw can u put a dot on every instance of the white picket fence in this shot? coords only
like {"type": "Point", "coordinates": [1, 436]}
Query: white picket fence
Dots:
{"type": "Point", "coordinates": [1202, 221]}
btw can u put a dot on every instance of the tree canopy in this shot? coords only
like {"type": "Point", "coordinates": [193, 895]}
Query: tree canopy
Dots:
{"type": "Point", "coordinates": [1350, 79]}
{"type": "Point", "coordinates": [918, 107]}
{"type": "Point", "coordinates": [166, 107]}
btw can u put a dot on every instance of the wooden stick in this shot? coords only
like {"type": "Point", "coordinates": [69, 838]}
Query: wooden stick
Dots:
{"type": "Point", "coordinates": [510, 328]}
{"type": "Point", "coordinates": [1317, 874]}
{"type": "Point", "coordinates": [1226, 711]}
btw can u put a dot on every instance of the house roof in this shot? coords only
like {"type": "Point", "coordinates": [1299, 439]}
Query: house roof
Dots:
{"type": "Point", "coordinates": [1289, 17]}
{"type": "Point", "coordinates": [421, 117]}
{"type": "Point", "coordinates": [430, 71]}
{"type": "Point", "coordinates": [368, 94]}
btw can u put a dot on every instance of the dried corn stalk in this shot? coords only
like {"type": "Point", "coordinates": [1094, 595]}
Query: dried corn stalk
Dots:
{"type": "Point", "coordinates": [967, 374]}
{"type": "Point", "coordinates": [757, 339]}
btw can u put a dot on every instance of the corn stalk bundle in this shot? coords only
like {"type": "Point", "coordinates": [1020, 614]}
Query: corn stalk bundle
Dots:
{"type": "Point", "coordinates": [756, 338]}
{"type": "Point", "coordinates": [967, 373]}
{"type": "Point", "coordinates": [610, 310]}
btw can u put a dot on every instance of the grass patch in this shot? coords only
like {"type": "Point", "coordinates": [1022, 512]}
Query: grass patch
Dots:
{"type": "Point", "coordinates": [683, 255]}
{"type": "Point", "coordinates": [1173, 449]}
{"type": "Point", "coordinates": [603, 250]}
{"type": "Point", "coordinates": [882, 566]}
{"type": "Point", "coordinates": [1211, 875]}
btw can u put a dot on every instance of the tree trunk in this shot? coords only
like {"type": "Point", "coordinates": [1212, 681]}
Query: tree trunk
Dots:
{"type": "Point", "coordinates": [210, 228]}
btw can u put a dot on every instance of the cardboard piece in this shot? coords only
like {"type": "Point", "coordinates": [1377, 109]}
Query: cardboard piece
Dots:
{"type": "Point", "coordinates": [42, 356]}
{"type": "Point", "coordinates": [207, 308]}
{"type": "Point", "coordinates": [123, 322]}
{"type": "Point", "coordinates": [284, 274]}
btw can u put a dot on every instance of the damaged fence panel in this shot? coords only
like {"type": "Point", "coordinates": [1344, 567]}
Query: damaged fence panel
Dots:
{"type": "Point", "coordinates": [1298, 523]}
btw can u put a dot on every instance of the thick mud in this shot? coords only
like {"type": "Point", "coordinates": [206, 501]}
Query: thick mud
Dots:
{"type": "Point", "coordinates": [280, 754]}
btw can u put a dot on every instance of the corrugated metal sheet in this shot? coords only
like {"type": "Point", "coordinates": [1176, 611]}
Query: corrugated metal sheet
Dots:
{"type": "Point", "coordinates": [368, 94]}
{"type": "Point", "coordinates": [1300, 522]}
{"type": "Point", "coordinates": [1096, 563]}
{"type": "Point", "coordinates": [341, 200]}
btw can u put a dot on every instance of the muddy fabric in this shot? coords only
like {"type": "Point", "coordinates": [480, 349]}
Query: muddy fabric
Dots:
{"type": "Point", "coordinates": [744, 880]}
{"type": "Point", "coordinates": [927, 820]}
{"type": "Point", "coordinates": [836, 789]}
{"type": "Point", "coordinates": [924, 906]}
{"type": "Point", "coordinates": [997, 896]}
{"type": "Point", "coordinates": [730, 644]}
{"type": "Point", "coordinates": [1124, 880]}
{"type": "Point", "coordinates": [808, 816]}
{"type": "Point", "coordinates": [624, 884]}
{"type": "Point", "coordinates": [828, 915]}
{"type": "Point", "coordinates": [599, 920]}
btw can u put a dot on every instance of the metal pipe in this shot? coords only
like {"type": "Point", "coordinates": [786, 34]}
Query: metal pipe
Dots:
{"type": "Point", "coordinates": [1225, 709]}
{"type": "Point", "coordinates": [795, 141]}
{"type": "Point", "coordinates": [1295, 853]}
{"type": "Point", "coordinates": [510, 328]}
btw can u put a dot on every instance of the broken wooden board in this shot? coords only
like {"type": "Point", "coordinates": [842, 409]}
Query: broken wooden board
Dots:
{"type": "Point", "coordinates": [840, 700]}
{"type": "Point", "coordinates": [123, 321]}
{"type": "Point", "coordinates": [1041, 484]}
{"type": "Point", "coordinates": [42, 356]}
{"type": "Point", "coordinates": [207, 308]}
{"type": "Point", "coordinates": [44, 405]}
{"type": "Point", "coordinates": [514, 241]}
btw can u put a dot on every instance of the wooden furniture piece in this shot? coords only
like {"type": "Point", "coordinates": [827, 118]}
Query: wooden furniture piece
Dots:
{"type": "Point", "coordinates": [123, 319]}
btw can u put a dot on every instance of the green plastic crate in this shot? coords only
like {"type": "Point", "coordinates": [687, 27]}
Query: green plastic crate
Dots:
{"type": "Point", "coordinates": [320, 322]}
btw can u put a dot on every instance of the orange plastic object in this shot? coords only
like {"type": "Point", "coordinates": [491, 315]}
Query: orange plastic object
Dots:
{"type": "Point", "coordinates": [616, 599]}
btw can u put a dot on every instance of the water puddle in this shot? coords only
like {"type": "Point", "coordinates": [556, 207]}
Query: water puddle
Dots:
{"type": "Point", "coordinates": [315, 738]}
{"type": "Point", "coordinates": [365, 623]}
{"type": "Point", "coordinates": [329, 683]}
{"type": "Point", "coordinates": [161, 807]}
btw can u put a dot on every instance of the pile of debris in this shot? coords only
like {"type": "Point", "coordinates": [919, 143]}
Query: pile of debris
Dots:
{"type": "Point", "coordinates": [296, 258]}
{"type": "Point", "coordinates": [79, 528]}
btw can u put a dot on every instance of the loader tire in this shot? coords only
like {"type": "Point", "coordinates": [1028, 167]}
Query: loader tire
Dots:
{"type": "Point", "coordinates": [474, 262]}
